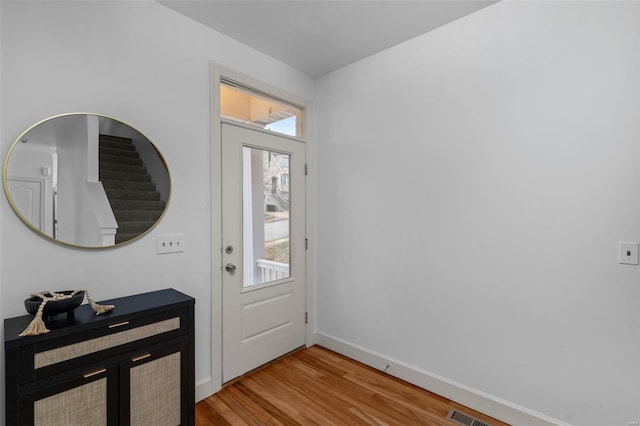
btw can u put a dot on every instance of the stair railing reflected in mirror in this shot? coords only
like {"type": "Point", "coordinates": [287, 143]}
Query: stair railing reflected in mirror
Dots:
{"type": "Point", "coordinates": [86, 180]}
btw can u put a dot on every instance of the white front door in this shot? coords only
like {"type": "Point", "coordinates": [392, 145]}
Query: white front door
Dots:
{"type": "Point", "coordinates": [263, 248]}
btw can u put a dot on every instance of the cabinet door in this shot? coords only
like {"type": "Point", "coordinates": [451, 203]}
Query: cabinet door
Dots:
{"type": "Point", "coordinates": [155, 387]}
{"type": "Point", "coordinates": [87, 400]}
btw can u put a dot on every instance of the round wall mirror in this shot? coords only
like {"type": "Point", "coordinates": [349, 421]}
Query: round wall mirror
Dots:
{"type": "Point", "coordinates": [86, 180]}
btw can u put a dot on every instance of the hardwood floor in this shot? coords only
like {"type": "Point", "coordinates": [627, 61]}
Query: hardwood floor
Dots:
{"type": "Point", "coordinates": [315, 386]}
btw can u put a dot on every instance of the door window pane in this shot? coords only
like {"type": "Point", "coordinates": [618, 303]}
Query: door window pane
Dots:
{"type": "Point", "coordinates": [265, 222]}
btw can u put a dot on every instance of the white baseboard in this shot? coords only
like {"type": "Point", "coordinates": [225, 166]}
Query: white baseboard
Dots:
{"type": "Point", "coordinates": [480, 401]}
{"type": "Point", "coordinates": [204, 389]}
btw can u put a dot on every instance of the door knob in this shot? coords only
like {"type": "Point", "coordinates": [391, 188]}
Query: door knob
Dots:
{"type": "Point", "coordinates": [231, 268]}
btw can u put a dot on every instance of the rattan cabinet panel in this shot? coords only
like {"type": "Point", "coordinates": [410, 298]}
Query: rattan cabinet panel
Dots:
{"type": "Point", "coordinates": [65, 353]}
{"type": "Point", "coordinates": [79, 406]}
{"type": "Point", "coordinates": [131, 366]}
{"type": "Point", "coordinates": [155, 392]}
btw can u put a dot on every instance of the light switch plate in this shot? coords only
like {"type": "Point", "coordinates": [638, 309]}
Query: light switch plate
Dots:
{"type": "Point", "coordinates": [170, 243]}
{"type": "Point", "coordinates": [628, 253]}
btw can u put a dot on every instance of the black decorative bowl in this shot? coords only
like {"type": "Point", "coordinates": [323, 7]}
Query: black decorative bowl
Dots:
{"type": "Point", "coordinates": [55, 307]}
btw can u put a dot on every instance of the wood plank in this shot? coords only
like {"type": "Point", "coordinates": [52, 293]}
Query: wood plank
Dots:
{"type": "Point", "coordinates": [315, 386]}
{"type": "Point", "coordinates": [230, 415]}
{"type": "Point", "coordinates": [251, 412]}
{"type": "Point", "coordinates": [207, 415]}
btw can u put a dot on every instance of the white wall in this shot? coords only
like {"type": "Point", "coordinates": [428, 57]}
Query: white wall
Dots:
{"type": "Point", "coordinates": [144, 64]}
{"type": "Point", "coordinates": [76, 219]}
{"type": "Point", "coordinates": [473, 184]}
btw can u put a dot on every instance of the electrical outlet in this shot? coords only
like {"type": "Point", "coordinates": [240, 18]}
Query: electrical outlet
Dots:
{"type": "Point", "coordinates": [170, 243]}
{"type": "Point", "coordinates": [628, 253]}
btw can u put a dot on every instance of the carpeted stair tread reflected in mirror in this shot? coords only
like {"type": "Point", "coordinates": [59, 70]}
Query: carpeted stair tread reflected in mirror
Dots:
{"type": "Point", "coordinates": [132, 194]}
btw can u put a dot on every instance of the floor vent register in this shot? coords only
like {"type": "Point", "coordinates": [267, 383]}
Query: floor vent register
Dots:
{"type": "Point", "coordinates": [465, 419]}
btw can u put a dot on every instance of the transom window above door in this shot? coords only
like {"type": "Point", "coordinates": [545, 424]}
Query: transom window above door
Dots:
{"type": "Point", "coordinates": [244, 105]}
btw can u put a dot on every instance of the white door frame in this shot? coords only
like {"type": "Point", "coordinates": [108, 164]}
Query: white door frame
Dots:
{"type": "Point", "coordinates": [218, 71]}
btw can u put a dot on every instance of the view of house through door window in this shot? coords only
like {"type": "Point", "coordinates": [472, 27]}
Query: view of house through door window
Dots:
{"type": "Point", "coordinates": [265, 187]}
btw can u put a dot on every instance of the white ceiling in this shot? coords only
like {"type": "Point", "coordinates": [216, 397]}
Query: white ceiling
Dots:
{"type": "Point", "coordinates": [320, 36]}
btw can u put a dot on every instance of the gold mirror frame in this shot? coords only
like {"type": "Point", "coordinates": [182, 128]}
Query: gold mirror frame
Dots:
{"type": "Point", "coordinates": [71, 140]}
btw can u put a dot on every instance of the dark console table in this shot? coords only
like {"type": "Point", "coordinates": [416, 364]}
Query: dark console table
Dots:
{"type": "Point", "coordinates": [131, 366]}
